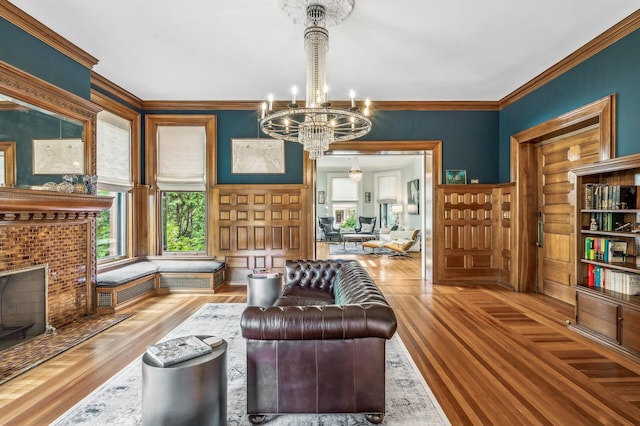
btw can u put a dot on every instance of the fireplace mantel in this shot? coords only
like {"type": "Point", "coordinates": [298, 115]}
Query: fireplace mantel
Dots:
{"type": "Point", "coordinates": [16, 203]}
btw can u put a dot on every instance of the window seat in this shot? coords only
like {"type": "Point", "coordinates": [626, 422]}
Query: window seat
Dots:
{"type": "Point", "coordinates": [126, 285]}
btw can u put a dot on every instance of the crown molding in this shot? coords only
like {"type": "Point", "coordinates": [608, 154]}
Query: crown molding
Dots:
{"type": "Point", "coordinates": [43, 33]}
{"type": "Point", "coordinates": [376, 106]}
{"type": "Point", "coordinates": [102, 83]}
{"type": "Point", "coordinates": [604, 40]}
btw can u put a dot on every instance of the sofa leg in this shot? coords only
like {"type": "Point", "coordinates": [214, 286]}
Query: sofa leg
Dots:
{"type": "Point", "coordinates": [256, 419]}
{"type": "Point", "coordinates": [375, 418]}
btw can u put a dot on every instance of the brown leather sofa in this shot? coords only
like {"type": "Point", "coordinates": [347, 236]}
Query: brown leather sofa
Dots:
{"type": "Point", "coordinates": [321, 347]}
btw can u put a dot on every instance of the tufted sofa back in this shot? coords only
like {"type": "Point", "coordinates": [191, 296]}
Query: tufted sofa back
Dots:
{"type": "Point", "coordinates": [312, 273]}
{"type": "Point", "coordinates": [353, 285]}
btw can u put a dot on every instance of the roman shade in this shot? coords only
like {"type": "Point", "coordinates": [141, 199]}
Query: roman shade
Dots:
{"type": "Point", "coordinates": [181, 158]}
{"type": "Point", "coordinates": [343, 189]}
{"type": "Point", "coordinates": [113, 155]}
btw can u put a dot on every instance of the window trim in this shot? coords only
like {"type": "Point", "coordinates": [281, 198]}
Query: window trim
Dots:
{"type": "Point", "coordinates": [133, 235]}
{"type": "Point", "coordinates": [152, 122]}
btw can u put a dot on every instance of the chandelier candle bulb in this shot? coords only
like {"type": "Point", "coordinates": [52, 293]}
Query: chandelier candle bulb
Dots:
{"type": "Point", "coordinates": [270, 102]}
{"type": "Point", "coordinates": [264, 109]}
{"type": "Point", "coordinates": [352, 95]}
{"type": "Point", "coordinates": [294, 92]}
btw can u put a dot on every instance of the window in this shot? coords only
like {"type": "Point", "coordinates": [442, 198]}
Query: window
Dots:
{"type": "Point", "coordinates": [387, 195]}
{"type": "Point", "coordinates": [344, 197]}
{"type": "Point", "coordinates": [112, 226]}
{"type": "Point", "coordinates": [114, 180]}
{"type": "Point", "coordinates": [183, 222]}
{"type": "Point", "coordinates": [181, 178]}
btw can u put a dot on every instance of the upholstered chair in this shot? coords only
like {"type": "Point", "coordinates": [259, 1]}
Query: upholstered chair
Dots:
{"type": "Point", "coordinates": [328, 232]}
{"type": "Point", "coordinates": [366, 225]}
{"type": "Point", "coordinates": [400, 247]}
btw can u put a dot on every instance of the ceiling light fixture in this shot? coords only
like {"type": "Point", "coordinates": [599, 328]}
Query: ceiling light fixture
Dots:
{"type": "Point", "coordinates": [317, 124]}
{"type": "Point", "coordinates": [355, 173]}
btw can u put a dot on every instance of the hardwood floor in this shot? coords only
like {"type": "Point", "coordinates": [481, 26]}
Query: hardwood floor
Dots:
{"type": "Point", "coordinates": [490, 356]}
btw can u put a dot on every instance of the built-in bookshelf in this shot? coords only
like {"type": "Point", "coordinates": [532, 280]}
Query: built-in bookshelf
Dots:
{"type": "Point", "coordinates": [608, 253]}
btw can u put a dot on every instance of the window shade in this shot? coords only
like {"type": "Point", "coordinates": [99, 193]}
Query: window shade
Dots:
{"type": "Point", "coordinates": [181, 158]}
{"type": "Point", "coordinates": [113, 157]}
{"type": "Point", "coordinates": [343, 189]}
{"type": "Point", "coordinates": [387, 188]}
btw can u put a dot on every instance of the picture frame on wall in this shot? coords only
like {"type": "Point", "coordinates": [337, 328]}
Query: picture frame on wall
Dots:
{"type": "Point", "coordinates": [367, 197]}
{"type": "Point", "coordinates": [413, 196]}
{"type": "Point", "coordinates": [257, 156]}
{"type": "Point", "coordinates": [455, 176]}
{"type": "Point", "coordinates": [58, 156]}
{"type": "Point", "coordinates": [321, 197]}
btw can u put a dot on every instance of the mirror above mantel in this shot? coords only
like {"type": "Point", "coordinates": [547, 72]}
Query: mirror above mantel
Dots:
{"type": "Point", "coordinates": [45, 132]}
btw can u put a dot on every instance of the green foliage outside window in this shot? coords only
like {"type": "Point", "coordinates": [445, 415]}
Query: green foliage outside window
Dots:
{"type": "Point", "coordinates": [349, 222]}
{"type": "Point", "coordinates": [103, 231]}
{"type": "Point", "coordinates": [184, 225]}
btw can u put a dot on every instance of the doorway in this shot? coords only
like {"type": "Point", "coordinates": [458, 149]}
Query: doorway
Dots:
{"type": "Point", "coordinates": [416, 216]}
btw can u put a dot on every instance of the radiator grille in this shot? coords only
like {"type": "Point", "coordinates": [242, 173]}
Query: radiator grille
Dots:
{"type": "Point", "coordinates": [184, 282]}
{"type": "Point", "coordinates": [135, 291]}
{"type": "Point", "coordinates": [104, 299]}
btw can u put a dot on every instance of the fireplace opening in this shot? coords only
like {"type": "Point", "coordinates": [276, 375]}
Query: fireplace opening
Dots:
{"type": "Point", "coordinates": [23, 295]}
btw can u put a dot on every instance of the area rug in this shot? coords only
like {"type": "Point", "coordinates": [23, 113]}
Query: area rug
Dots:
{"type": "Point", "coordinates": [26, 355]}
{"type": "Point", "coordinates": [409, 401]}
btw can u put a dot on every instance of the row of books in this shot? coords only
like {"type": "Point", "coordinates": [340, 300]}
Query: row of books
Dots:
{"type": "Point", "coordinates": [605, 249]}
{"type": "Point", "coordinates": [180, 349]}
{"type": "Point", "coordinates": [264, 273]}
{"type": "Point", "coordinates": [609, 221]}
{"type": "Point", "coordinates": [610, 279]}
{"type": "Point", "coordinates": [610, 197]}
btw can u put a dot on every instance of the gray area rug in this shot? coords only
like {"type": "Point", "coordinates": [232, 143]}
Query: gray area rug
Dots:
{"type": "Point", "coordinates": [409, 401]}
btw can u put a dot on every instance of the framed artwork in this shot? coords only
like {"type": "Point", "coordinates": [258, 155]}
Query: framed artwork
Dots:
{"type": "Point", "coordinates": [367, 197]}
{"type": "Point", "coordinates": [321, 197]}
{"type": "Point", "coordinates": [58, 157]}
{"type": "Point", "coordinates": [257, 156]}
{"type": "Point", "coordinates": [413, 196]}
{"type": "Point", "coordinates": [455, 176]}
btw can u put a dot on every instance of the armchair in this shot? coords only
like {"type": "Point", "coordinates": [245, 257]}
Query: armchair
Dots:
{"type": "Point", "coordinates": [366, 225]}
{"type": "Point", "coordinates": [328, 232]}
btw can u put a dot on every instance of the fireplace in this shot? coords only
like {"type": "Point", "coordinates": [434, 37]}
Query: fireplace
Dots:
{"type": "Point", "coordinates": [23, 305]}
{"type": "Point", "coordinates": [52, 235]}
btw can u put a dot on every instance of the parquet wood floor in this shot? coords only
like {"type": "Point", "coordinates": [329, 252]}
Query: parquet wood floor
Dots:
{"type": "Point", "coordinates": [490, 356]}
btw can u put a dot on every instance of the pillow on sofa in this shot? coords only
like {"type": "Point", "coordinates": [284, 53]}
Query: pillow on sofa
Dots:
{"type": "Point", "coordinates": [394, 228]}
{"type": "Point", "coordinates": [366, 227]}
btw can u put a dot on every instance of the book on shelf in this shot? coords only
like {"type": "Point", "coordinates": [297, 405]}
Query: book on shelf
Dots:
{"type": "Point", "coordinates": [605, 249]}
{"type": "Point", "coordinates": [610, 197]}
{"type": "Point", "coordinates": [621, 282]}
{"type": "Point", "coordinates": [180, 349]}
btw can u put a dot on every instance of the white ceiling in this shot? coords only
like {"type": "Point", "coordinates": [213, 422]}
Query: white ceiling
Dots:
{"type": "Point", "coordinates": [420, 50]}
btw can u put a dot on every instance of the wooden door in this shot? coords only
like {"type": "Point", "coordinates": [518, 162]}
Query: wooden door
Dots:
{"type": "Point", "coordinates": [555, 208]}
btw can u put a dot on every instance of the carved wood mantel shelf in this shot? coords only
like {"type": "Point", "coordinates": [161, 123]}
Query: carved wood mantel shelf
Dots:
{"type": "Point", "coordinates": [24, 204]}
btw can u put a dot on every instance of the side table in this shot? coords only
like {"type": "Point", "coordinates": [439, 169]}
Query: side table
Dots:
{"type": "Point", "coordinates": [192, 392]}
{"type": "Point", "coordinates": [263, 291]}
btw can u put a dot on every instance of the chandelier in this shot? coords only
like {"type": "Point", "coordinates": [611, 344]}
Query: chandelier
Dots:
{"type": "Point", "coordinates": [355, 172]}
{"type": "Point", "coordinates": [317, 124]}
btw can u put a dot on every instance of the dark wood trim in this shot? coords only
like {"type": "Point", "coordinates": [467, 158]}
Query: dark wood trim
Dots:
{"type": "Point", "coordinates": [102, 83]}
{"type": "Point", "coordinates": [604, 40]}
{"type": "Point", "coordinates": [43, 33]}
{"type": "Point", "coordinates": [376, 106]}
{"type": "Point", "coordinates": [523, 173]}
{"type": "Point", "coordinates": [26, 201]}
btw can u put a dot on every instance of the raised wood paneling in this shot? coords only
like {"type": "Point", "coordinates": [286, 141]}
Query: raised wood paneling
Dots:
{"type": "Point", "coordinates": [258, 226]}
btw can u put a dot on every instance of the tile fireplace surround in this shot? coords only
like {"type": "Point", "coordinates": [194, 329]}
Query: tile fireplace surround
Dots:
{"type": "Point", "coordinates": [57, 231]}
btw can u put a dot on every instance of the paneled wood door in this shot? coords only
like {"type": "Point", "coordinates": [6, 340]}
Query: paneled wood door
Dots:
{"type": "Point", "coordinates": [555, 201]}
{"type": "Point", "coordinates": [258, 226]}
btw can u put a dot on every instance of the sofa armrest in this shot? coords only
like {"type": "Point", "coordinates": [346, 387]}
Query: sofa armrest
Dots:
{"type": "Point", "coordinates": [318, 322]}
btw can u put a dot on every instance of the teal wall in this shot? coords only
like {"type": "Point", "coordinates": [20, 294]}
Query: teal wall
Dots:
{"type": "Point", "coordinates": [24, 51]}
{"type": "Point", "coordinates": [616, 69]}
{"type": "Point", "coordinates": [477, 141]}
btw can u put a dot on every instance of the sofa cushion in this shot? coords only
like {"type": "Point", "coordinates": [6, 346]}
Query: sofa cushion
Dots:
{"type": "Point", "coordinates": [125, 274]}
{"type": "Point", "coordinates": [312, 273]}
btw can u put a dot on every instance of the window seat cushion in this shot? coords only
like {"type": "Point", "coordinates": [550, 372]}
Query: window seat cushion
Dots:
{"type": "Point", "coordinates": [119, 276]}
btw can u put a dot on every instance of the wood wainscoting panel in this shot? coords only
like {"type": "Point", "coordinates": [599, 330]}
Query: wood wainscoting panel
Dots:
{"type": "Point", "coordinates": [258, 226]}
